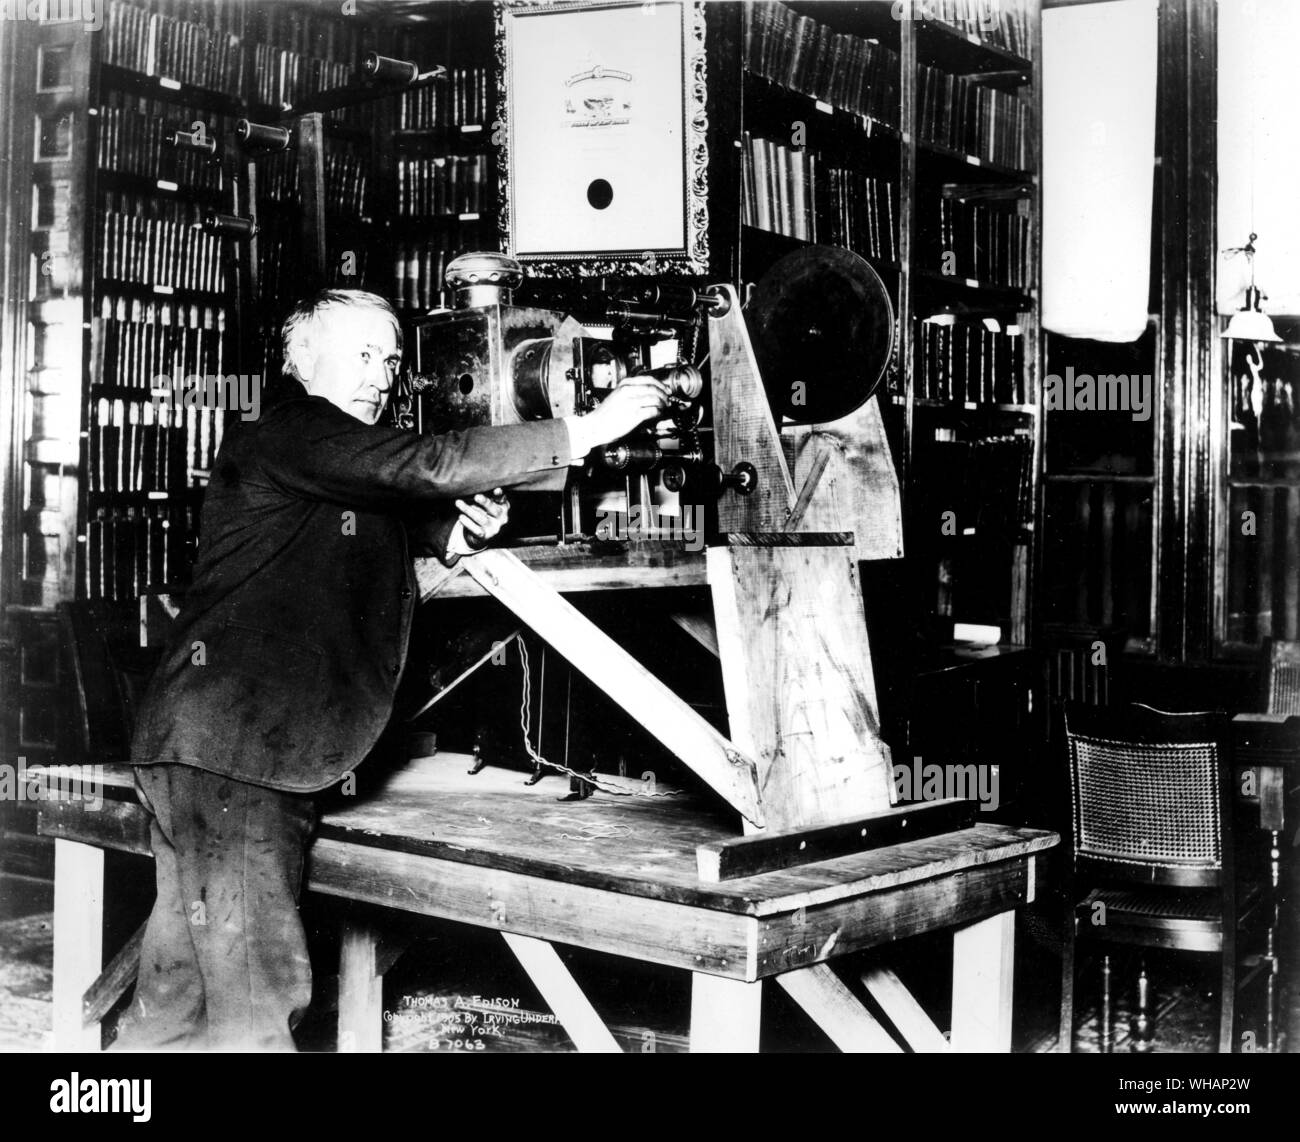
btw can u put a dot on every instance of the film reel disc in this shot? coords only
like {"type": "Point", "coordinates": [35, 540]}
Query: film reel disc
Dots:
{"type": "Point", "coordinates": [820, 316]}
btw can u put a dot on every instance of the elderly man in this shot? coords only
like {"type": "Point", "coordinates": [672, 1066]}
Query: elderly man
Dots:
{"type": "Point", "coordinates": [281, 668]}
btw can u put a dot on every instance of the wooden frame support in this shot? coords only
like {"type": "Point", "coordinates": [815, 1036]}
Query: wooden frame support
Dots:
{"type": "Point", "coordinates": [725, 1014]}
{"type": "Point", "coordinates": [113, 981]}
{"type": "Point", "coordinates": [830, 1004]}
{"type": "Point", "coordinates": [642, 696]}
{"type": "Point", "coordinates": [769, 851]}
{"type": "Point", "coordinates": [561, 991]}
{"type": "Point", "coordinates": [361, 989]}
{"type": "Point", "coordinates": [78, 940]}
{"type": "Point", "coordinates": [796, 670]}
{"type": "Point", "coordinates": [983, 955]}
{"type": "Point", "coordinates": [900, 1007]}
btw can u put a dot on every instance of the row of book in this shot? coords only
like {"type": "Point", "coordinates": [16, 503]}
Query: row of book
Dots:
{"type": "Point", "coordinates": [984, 243]}
{"type": "Point", "coordinates": [979, 361]}
{"type": "Point", "coordinates": [136, 446]}
{"type": "Point", "coordinates": [1005, 24]}
{"type": "Point", "coordinates": [132, 139]}
{"type": "Point", "coordinates": [225, 16]}
{"type": "Point", "coordinates": [346, 179]}
{"type": "Point", "coordinates": [1263, 599]}
{"type": "Point", "coordinates": [846, 71]}
{"type": "Point", "coordinates": [857, 211]}
{"type": "Point", "coordinates": [447, 184]}
{"type": "Point", "coordinates": [331, 32]}
{"type": "Point", "coordinates": [779, 188]}
{"type": "Point", "coordinates": [1001, 479]}
{"type": "Point", "coordinates": [987, 482]}
{"type": "Point", "coordinates": [1266, 423]}
{"type": "Point", "coordinates": [461, 101]}
{"type": "Point", "coordinates": [282, 78]}
{"type": "Point", "coordinates": [965, 116]}
{"type": "Point", "coordinates": [131, 550]}
{"type": "Point", "coordinates": [787, 190]}
{"type": "Point", "coordinates": [171, 251]}
{"type": "Point", "coordinates": [182, 50]}
{"type": "Point", "coordinates": [419, 268]}
{"type": "Point", "coordinates": [143, 339]}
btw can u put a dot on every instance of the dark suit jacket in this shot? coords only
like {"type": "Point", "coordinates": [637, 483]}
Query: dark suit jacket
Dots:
{"type": "Point", "coordinates": [281, 668]}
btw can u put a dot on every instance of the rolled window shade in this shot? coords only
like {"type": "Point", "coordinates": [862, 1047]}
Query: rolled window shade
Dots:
{"type": "Point", "coordinates": [1099, 125]}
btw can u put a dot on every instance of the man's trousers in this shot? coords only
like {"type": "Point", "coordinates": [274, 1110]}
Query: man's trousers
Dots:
{"type": "Point", "coordinates": [224, 962]}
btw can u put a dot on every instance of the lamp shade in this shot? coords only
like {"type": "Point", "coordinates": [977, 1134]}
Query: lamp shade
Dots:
{"type": "Point", "coordinates": [1250, 325]}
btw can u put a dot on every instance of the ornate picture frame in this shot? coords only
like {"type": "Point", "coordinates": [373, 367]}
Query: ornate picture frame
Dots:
{"type": "Point", "coordinates": [602, 129]}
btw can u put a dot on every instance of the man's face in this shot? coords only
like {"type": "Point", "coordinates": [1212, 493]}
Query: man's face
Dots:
{"type": "Point", "coordinates": [350, 359]}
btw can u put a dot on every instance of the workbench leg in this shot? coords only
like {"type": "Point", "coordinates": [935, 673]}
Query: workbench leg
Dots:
{"type": "Point", "coordinates": [562, 994]}
{"type": "Point", "coordinates": [983, 957]}
{"type": "Point", "coordinates": [361, 990]}
{"type": "Point", "coordinates": [835, 1009]}
{"type": "Point", "coordinates": [78, 940]}
{"type": "Point", "coordinates": [725, 1014]}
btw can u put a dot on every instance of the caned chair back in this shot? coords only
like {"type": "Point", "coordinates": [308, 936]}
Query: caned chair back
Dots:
{"type": "Point", "coordinates": [1147, 793]}
{"type": "Point", "coordinates": [1282, 695]}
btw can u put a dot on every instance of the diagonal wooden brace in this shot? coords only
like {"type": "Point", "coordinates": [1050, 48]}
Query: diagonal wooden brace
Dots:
{"type": "Point", "coordinates": [641, 695]}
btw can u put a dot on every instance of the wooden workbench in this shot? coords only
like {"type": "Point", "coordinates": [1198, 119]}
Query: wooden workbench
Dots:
{"type": "Point", "coordinates": [615, 875]}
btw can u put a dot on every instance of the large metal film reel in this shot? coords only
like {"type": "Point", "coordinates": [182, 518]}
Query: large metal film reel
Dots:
{"type": "Point", "coordinates": [820, 316]}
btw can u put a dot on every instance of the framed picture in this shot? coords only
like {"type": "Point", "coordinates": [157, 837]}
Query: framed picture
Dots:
{"type": "Point", "coordinates": [604, 167]}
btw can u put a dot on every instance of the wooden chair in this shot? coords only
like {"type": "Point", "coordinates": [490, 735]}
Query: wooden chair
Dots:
{"type": "Point", "coordinates": [1152, 845]}
{"type": "Point", "coordinates": [1281, 676]}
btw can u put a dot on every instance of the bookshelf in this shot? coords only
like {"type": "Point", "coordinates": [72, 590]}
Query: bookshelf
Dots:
{"type": "Point", "coordinates": [1257, 596]}
{"type": "Point", "coordinates": [404, 188]}
{"type": "Point", "coordinates": [915, 144]}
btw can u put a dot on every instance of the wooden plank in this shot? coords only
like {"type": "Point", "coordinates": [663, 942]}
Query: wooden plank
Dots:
{"type": "Point", "coordinates": [908, 1016]}
{"type": "Point", "coordinates": [743, 428]}
{"type": "Point", "coordinates": [726, 1015]}
{"type": "Point", "coordinates": [361, 990]}
{"type": "Point", "coordinates": [113, 981]}
{"type": "Point", "coordinates": [562, 993]}
{"type": "Point", "coordinates": [575, 568]}
{"type": "Point", "coordinates": [656, 931]}
{"type": "Point", "coordinates": [836, 1010]}
{"type": "Point", "coordinates": [789, 539]}
{"type": "Point", "coordinates": [983, 956]}
{"type": "Point", "coordinates": [810, 481]}
{"type": "Point", "coordinates": [858, 490]}
{"type": "Point", "coordinates": [769, 851]}
{"type": "Point", "coordinates": [433, 577]}
{"type": "Point", "coordinates": [700, 628]}
{"type": "Point", "coordinates": [117, 825]}
{"type": "Point", "coordinates": [78, 940]}
{"type": "Point", "coordinates": [310, 154]}
{"type": "Point", "coordinates": [796, 670]}
{"type": "Point", "coordinates": [815, 933]}
{"type": "Point", "coordinates": [642, 696]}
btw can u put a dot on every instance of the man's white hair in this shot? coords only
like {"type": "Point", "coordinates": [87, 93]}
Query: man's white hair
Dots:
{"type": "Point", "coordinates": [305, 317]}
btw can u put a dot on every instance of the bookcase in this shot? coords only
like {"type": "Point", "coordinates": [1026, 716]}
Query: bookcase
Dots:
{"type": "Point", "coordinates": [914, 142]}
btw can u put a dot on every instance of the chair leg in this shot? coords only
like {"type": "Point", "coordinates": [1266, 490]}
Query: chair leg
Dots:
{"type": "Point", "coordinates": [1105, 1040]}
{"type": "Point", "coordinates": [1142, 1029]}
{"type": "Point", "coordinates": [1227, 992]}
{"type": "Point", "coordinates": [1065, 1035]}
